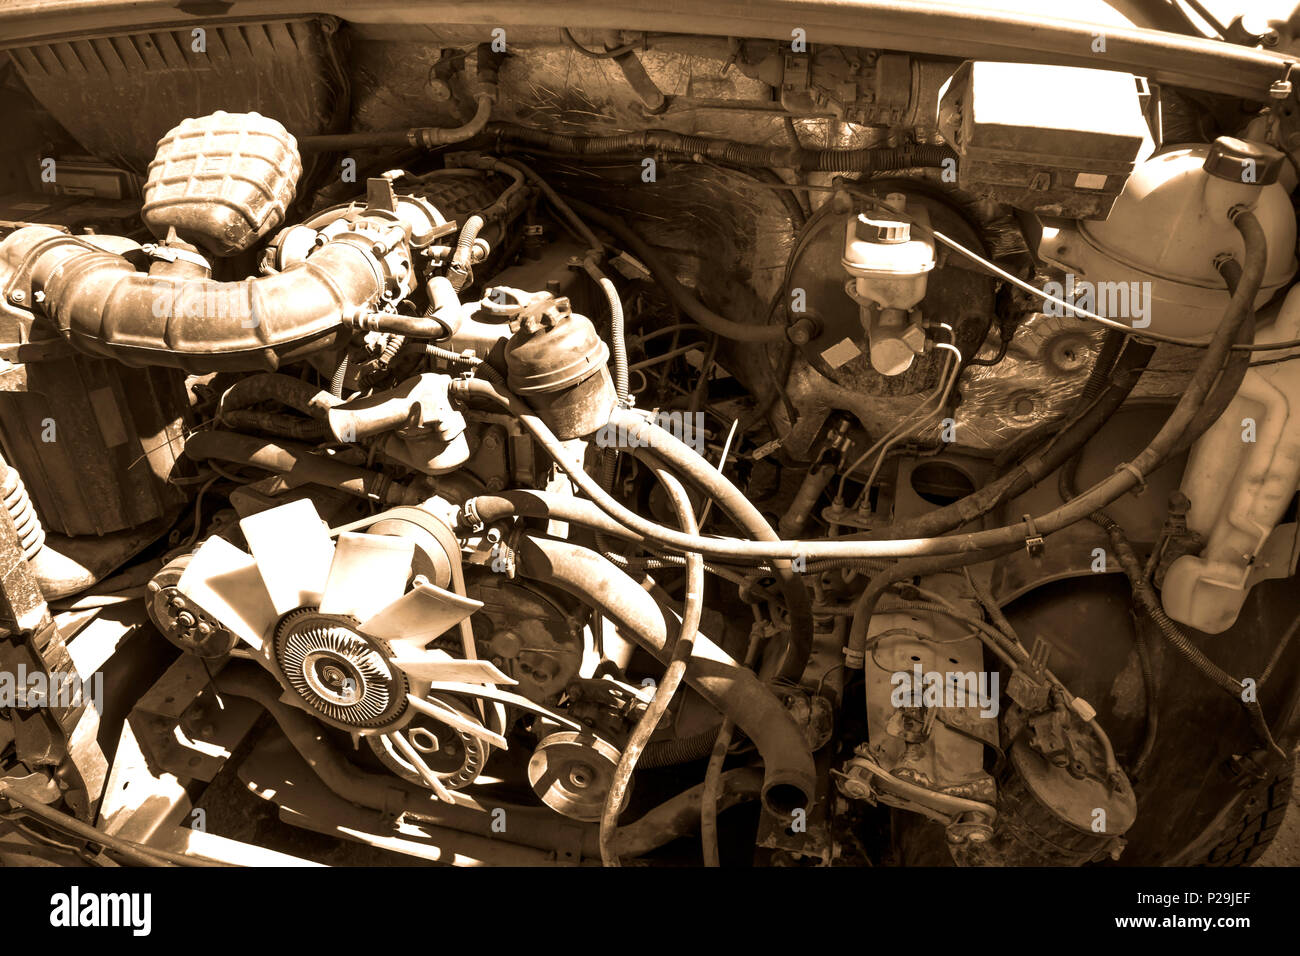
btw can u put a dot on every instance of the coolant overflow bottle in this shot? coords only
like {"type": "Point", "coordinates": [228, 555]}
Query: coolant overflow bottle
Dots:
{"type": "Point", "coordinates": [888, 267]}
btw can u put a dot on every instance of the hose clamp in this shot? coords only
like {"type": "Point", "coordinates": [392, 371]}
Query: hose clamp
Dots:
{"type": "Point", "coordinates": [1133, 470]}
{"type": "Point", "coordinates": [1034, 544]}
{"type": "Point", "coordinates": [174, 254]}
{"type": "Point", "coordinates": [470, 517]}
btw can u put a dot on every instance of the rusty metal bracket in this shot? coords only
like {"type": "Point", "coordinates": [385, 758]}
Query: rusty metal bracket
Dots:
{"type": "Point", "coordinates": [59, 738]}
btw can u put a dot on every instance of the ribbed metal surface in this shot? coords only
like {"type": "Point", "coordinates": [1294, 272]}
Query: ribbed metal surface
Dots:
{"type": "Point", "coordinates": [118, 94]}
{"type": "Point", "coordinates": [374, 692]}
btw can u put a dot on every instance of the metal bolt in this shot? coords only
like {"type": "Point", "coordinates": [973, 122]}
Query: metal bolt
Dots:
{"type": "Point", "coordinates": [580, 776]}
{"type": "Point", "coordinates": [18, 295]}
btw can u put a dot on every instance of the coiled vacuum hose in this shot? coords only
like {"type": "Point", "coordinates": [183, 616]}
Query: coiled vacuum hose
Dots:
{"type": "Point", "coordinates": [459, 270]}
{"type": "Point", "coordinates": [789, 780]}
{"type": "Point", "coordinates": [31, 533]}
{"type": "Point", "coordinates": [102, 305]}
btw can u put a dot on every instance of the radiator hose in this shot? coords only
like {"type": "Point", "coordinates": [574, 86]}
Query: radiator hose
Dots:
{"type": "Point", "coordinates": [789, 780]}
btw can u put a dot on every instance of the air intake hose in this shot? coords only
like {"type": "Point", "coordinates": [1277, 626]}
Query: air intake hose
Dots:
{"type": "Point", "coordinates": [102, 305]}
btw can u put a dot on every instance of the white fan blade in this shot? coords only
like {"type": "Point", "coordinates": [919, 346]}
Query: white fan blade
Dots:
{"type": "Point", "coordinates": [296, 702]}
{"type": "Point", "coordinates": [419, 616]}
{"type": "Point", "coordinates": [453, 718]}
{"type": "Point", "coordinates": [368, 573]}
{"type": "Point", "coordinates": [294, 550]}
{"type": "Point", "coordinates": [225, 582]}
{"type": "Point", "coordinates": [437, 665]}
{"type": "Point", "coordinates": [422, 768]}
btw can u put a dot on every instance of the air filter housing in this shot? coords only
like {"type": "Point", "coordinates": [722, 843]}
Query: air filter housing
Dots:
{"type": "Point", "coordinates": [222, 181]}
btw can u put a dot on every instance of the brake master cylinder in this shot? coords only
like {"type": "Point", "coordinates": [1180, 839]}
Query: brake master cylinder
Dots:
{"type": "Point", "coordinates": [556, 362]}
{"type": "Point", "coordinates": [889, 269]}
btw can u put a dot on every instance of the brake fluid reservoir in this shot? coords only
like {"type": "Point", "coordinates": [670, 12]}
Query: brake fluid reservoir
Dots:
{"type": "Point", "coordinates": [1240, 477]}
{"type": "Point", "coordinates": [1151, 264]}
{"type": "Point", "coordinates": [889, 267]}
{"type": "Point", "coordinates": [222, 181]}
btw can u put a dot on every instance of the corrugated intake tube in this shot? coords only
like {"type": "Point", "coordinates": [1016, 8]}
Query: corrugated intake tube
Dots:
{"type": "Point", "coordinates": [102, 305]}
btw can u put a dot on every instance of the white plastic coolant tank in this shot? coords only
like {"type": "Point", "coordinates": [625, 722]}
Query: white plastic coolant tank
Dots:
{"type": "Point", "coordinates": [1239, 489]}
{"type": "Point", "coordinates": [1169, 226]}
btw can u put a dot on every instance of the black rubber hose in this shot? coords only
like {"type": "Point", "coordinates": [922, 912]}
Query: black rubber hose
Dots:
{"type": "Point", "coordinates": [661, 446]}
{"type": "Point", "coordinates": [732, 152]}
{"type": "Point", "coordinates": [789, 781]}
{"type": "Point", "coordinates": [270, 387]}
{"type": "Point", "coordinates": [299, 466]}
{"type": "Point", "coordinates": [277, 423]}
{"type": "Point", "coordinates": [1151, 691]}
{"type": "Point", "coordinates": [1145, 597]}
{"type": "Point", "coordinates": [424, 137]}
{"type": "Point", "coordinates": [683, 297]}
{"type": "Point", "coordinates": [1128, 475]}
{"type": "Point", "coordinates": [679, 656]}
{"type": "Point", "coordinates": [1067, 442]}
{"type": "Point", "coordinates": [784, 193]}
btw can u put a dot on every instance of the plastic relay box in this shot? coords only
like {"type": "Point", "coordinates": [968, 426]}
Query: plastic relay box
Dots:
{"type": "Point", "coordinates": [1055, 140]}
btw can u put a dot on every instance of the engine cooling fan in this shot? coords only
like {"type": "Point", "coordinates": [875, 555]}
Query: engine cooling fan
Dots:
{"type": "Point", "coordinates": [339, 672]}
{"type": "Point", "coordinates": [335, 622]}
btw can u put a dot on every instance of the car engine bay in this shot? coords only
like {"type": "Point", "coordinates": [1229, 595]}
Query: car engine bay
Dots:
{"type": "Point", "coordinates": [526, 445]}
